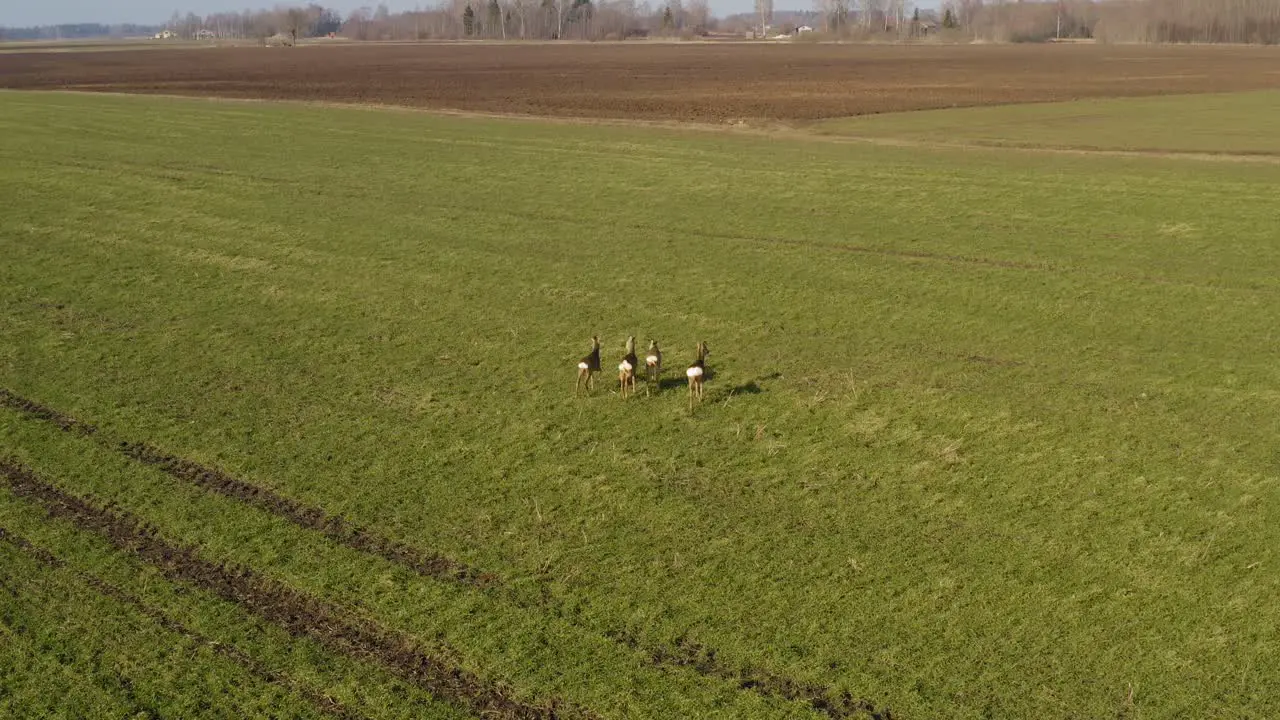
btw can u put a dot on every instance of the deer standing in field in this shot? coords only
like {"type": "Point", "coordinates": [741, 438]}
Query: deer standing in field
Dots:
{"type": "Point", "coordinates": [696, 372]}
{"type": "Point", "coordinates": [653, 366]}
{"type": "Point", "coordinates": [589, 366]}
{"type": "Point", "coordinates": [627, 368]}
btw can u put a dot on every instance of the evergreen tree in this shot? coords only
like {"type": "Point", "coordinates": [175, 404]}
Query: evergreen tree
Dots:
{"type": "Point", "coordinates": [495, 16]}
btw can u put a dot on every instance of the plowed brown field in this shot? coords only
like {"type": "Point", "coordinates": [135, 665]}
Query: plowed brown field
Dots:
{"type": "Point", "coordinates": [688, 82]}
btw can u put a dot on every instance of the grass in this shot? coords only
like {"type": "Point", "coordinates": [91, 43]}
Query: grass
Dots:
{"type": "Point", "coordinates": [1229, 123]}
{"type": "Point", "coordinates": [71, 652]}
{"type": "Point", "coordinates": [989, 434]}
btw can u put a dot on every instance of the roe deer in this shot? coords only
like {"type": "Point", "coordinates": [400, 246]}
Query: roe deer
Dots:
{"type": "Point", "coordinates": [653, 366]}
{"type": "Point", "coordinates": [696, 372]}
{"type": "Point", "coordinates": [589, 366]}
{"type": "Point", "coordinates": [627, 368]}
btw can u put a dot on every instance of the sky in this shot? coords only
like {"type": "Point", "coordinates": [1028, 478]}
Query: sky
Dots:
{"type": "Point", "coordinates": [22, 13]}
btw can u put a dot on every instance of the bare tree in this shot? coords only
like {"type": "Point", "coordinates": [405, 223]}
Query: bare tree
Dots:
{"type": "Point", "coordinates": [297, 22]}
{"type": "Point", "coordinates": [871, 12]}
{"type": "Point", "coordinates": [834, 13]}
{"type": "Point", "coordinates": [699, 14]}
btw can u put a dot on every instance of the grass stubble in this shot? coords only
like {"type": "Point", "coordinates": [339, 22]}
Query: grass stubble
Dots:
{"type": "Point", "coordinates": [979, 442]}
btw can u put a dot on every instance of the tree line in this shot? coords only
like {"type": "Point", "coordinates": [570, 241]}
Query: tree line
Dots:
{"type": "Point", "coordinates": [460, 19]}
{"type": "Point", "coordinates": [297, 21]}
{"type": "Point", "coordinates": [533, 20]}
{"type": "Point", "coordinates": [1155, 21]}
{"type": "Point", "coordinates": [1149, 21]}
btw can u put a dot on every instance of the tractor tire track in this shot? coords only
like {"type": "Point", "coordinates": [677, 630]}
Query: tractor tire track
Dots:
{"type": "Point", "coordinates": [334, 527]}
{"type": "Point", "coordinates": [320, 701]}
{"type": "Point", "coordinates": [705, 661]}
{"type": "Point", "coordinates": [41, 412]}
{"type": "Point", "coordinates": [297, 613]}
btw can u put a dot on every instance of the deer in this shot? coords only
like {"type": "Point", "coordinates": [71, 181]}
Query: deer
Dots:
{"type": "Point", "coordinates": [627, 368]}
{"type": "Point", "coordinates": [695, 374]}
{"type": "Point", "coordinates": [653, 366]}
{"type": "Point", "coordinates": [588, 367]}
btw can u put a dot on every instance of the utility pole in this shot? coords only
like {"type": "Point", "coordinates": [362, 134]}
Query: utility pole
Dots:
{"type": "Point", "coordinates": [764, 8]}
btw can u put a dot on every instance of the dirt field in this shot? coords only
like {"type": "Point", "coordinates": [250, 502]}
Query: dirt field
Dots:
{"type": "Point", "coordinates": [692, 82]}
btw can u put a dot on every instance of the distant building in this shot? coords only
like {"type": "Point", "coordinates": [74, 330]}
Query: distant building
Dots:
{"type": "Point", "coordinates": [165, 35]}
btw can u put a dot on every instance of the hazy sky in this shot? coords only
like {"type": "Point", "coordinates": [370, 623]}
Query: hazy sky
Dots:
{"type": "Point", "coordinates": [21, 13]}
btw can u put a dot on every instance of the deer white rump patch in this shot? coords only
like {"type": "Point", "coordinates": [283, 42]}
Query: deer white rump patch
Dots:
{"type": "Point", "coordinates": [583, 366]}
{"type": "Point", "coordinates": [651, 359]}
{"type": "Point", "coordinates": [694, 372]}
{"type": "Point", "coordinates": [625, 366]}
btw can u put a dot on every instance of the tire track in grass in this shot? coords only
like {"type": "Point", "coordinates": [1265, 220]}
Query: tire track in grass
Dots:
{"type": "Point", "coordinates": [806, 244]}
{"type": "Point", "coordinates": [334, 527]}
{"type": "Point", "coordinates": [320, 701]}
{"type": "Point", "coordinates": [41, 412]}
{"type": "Point", "coordinates": [681, 653]}
{"type": "Point", "coordinates": [297, 613]}
{"type": "Point", "coordinates": [705, 661]}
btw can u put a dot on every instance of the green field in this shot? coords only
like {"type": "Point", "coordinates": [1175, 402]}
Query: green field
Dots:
{"type": "Point", "coordinates": [989, 434]}
{"type": "Point", "coordinates": [1231, 123]}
